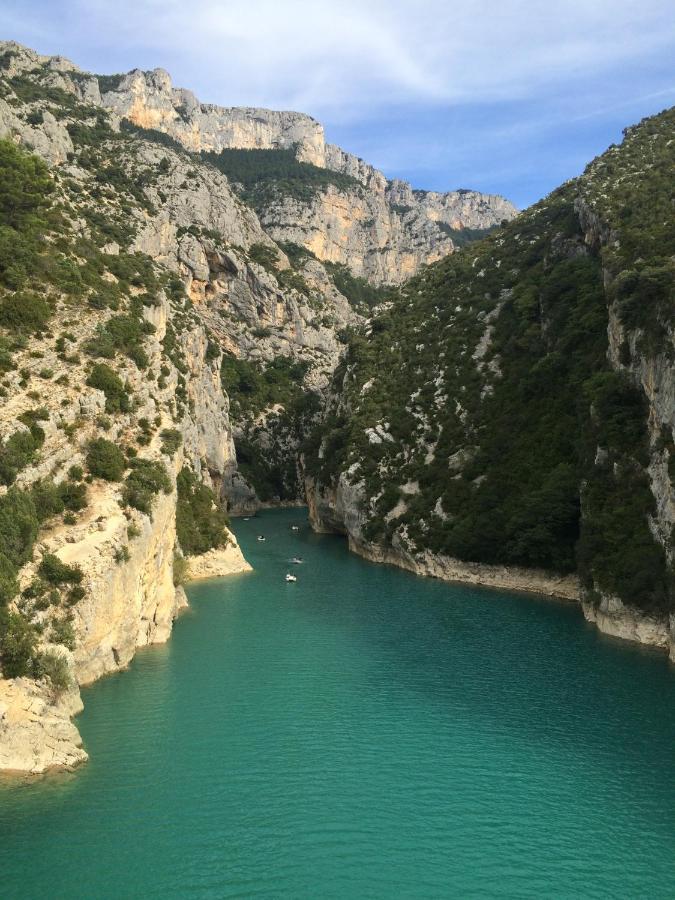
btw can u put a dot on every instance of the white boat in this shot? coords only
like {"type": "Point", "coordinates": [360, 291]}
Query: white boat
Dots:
{"type": "Point", "coordinates": [290, 577]}
{"type": "Point", "coordinates": [261, 537]}
{"type": "Point", "coordinates": [297, 560]}
{"type": "Point", "coordinates": [295, 528]}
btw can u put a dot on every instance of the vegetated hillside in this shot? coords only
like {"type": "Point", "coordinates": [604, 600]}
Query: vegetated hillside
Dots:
{"type": "Point", "coordinates": [515, 402]}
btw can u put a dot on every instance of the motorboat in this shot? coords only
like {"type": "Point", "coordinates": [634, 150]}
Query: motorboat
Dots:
{"type": "Point", "coordinates": [297, 560]}
{"type": "Point", "coordinates": [290, 577]}
{"type": "Point", "coordinates": [261, 537]}
{"type": "Point", "coordinates": [295, 528]}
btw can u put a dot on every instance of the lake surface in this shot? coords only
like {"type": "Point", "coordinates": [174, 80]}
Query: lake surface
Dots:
{"type": "Point", "coordinates": [361, 733]}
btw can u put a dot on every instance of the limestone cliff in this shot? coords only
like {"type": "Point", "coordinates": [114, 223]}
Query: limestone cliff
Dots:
{"type": "Point", "coordinates": [381, 230]}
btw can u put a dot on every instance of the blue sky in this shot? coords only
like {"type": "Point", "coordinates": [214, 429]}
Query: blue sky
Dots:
{"type": "Point", "coordinates": [505, 96]}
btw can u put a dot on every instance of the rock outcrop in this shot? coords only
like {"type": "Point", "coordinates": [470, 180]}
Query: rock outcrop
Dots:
{"type": "Point", "coordinates": [36, 732]}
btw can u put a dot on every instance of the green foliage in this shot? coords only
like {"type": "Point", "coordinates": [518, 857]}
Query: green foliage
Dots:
{"type": "Point", "coordinates": [54, 666]}
{"type": "Point", "coordinates": [296, 253]}
{"type": "Point", "coordinates": [9, 586]}
{"type": "Point", "coordinates": [63, 633]}
{"type": "Point", "coordinates": [157, 137]}
{"type": "Point", "coordinates": [171, 440]}
{"type": "Point", "coordinates": [463, 236]}
{"type": "Point", "coordinates": [265, 256]}
{"type": "Point", "coordinates": [122, 554]}
{"type": "Point", "coordinates": [105, 460]}
{"type": "Point", "coordinates": [360, 293]}
{"type": "Point", "coordinates": [144, 482]}
{"type": "Point", "coordinates": [18, 526]}
{"type": "Point", "coordinates": [124, 334]}
{"type": "Point", "coordinates": [91, 135]}
{"type": "Point", "coordinates": [24, 311]}
{"type": "Point", "coordinates": [25, 188]}
{"type": "Point", "coordinates": [57, 573]}
{"type": "Point", "coordinates": [106, 380]}
{"type": "Point", "coordinates": [200, 520]}
{"type": "Point", "coordinates": [181, 570]}
{"type": "Point", "coordinates": [18, 639]}
{"type": "Point", "coordinates": [252, 388]}
{"type": "Point", "coordinates": [489, 374]}
{"type": "Point", "coordinates": [262, 175]}
{"type": "Point", "coordinates": [19, 450]}
{"type": "Point", "coordinates": [620, 413]}
{"type": "Point", "coordinates": [109, 83]}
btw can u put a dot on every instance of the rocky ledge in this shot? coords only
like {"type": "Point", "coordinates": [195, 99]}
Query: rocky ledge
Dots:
{"type": "Point", "coordinates": [36, 732]}
{"type": "Point", "coordinates": [218, 562]}
{"type": "Point", "coordinates": [446, 568]}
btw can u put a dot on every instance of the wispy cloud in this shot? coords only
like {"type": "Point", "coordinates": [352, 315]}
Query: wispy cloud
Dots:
{"type": "Point", "coordinates": [388, 77]}
{"type": "Point", "coordinates": [339, 58]}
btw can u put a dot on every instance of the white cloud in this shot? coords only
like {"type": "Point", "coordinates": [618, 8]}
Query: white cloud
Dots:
{"type": "Point", "coordinates": [338, 59]}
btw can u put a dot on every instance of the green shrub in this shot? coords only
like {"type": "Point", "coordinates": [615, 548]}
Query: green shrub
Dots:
{"type": "Point", "coordinates": [105, 460]}
{"type": "Point", "coordinates": [18, 526]}
{"type": "Point", "coordinates": [200, 521]}
{"type": "Point", "coordinates": [121, 554]}
{"type": "Point", "coordinates": [74, 496]}
{"type": "Point", "coordinates": [56, 572]}
{"type": "Point", "coordinates": [18, 451]}
{"type": "Point", "coordinates": [360, 293]}
{"type": "Point", "coordinates": [144, 482]}
{"type": "Point", "coordinates": [53, 666]}
{"type": "Point", "coordinates": [18, 639]}
{"type": "Point", "coordinates": [62, 632]}
{"type": "Point", "coordinates": [105, 379]}
{"type": "Point", "coordinates": [124, 334]}
{"type": "Point", "coordinates": [181, 570]}
{"type": "Point", "coordinates": [24, 311]}
{"type": "Point", "coordinates": [47, 500]}
{"type": "Point", "coordinates": [171, 440]}
{"type": "Point", "coordinates": [266, 174]}
{"type": "Point", "coordinates": [9, 586]}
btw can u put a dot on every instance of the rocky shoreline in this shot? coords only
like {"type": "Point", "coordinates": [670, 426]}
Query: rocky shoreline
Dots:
{"type": "Point", "coordinates": [445, 568]}
{"type": "Point", "coordinates": [610, 615]}
{"type": "Point", "coordinates": [217, 563]}
{"type": "Point", "coordinates": [37, 733]}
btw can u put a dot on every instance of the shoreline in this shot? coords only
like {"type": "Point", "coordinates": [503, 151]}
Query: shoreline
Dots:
{"type": "Point", "coordinates": [38, 735]}
{"type": "Point", "coordinates": [611, 617]}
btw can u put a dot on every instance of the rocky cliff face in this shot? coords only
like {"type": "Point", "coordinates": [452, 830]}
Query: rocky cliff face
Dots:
{"type": "Point", "coordinates": [380, 230]}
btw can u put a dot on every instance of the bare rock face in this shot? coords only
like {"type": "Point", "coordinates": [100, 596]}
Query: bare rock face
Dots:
{"type": "Point", "coordinates": [36, 733]}
{"type": "Point", "coordinates": [381, 230]}
{"type": "Point", "coordinates": [456, 209]}
{"type": "Point", "coordinates": [359, 229]}
{"type": "Point", "coordinates": [218, 562]}
{"type": "Point", "coordinates": [149, 99]}
{"type": "Point", "coordinates": [50, 139]}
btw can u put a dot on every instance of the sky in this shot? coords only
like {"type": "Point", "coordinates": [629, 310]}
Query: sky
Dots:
{"type": "Point", "coordinates": [507, 96]}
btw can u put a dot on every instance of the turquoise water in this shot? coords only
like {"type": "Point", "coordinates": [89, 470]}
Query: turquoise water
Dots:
{"type": "Point", "coordinates": [362, 733]}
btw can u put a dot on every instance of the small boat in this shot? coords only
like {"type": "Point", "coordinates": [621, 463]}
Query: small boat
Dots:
{"type": "Point", "coordinates": [295, 528]}
{"type": "Point", "coordinates": [261, 537]}
{"type": "Point", "coordinates": [246, 518]}
{"type": "Point", "coordinates": [297, 560]}
{"type": "Point", "coordinates": [290, 577]}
